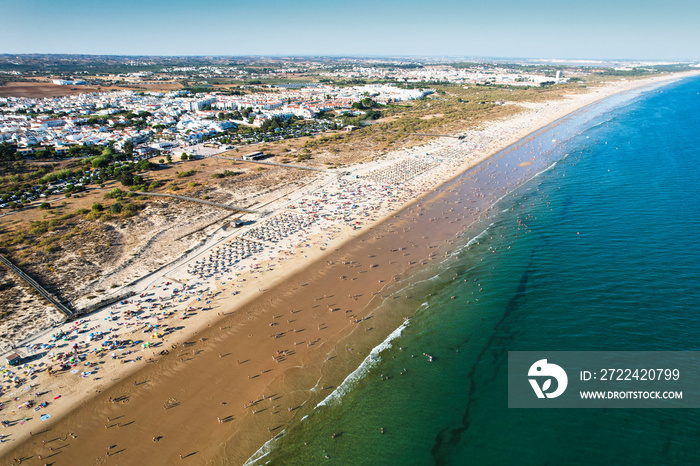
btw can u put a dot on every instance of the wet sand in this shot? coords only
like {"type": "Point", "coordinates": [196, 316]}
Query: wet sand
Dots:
{"type": "Point", "coordinates": [244, 378]}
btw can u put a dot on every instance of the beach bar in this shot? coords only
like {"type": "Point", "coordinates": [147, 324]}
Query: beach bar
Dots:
{"type": "Point", "coordinates": [13, 359]}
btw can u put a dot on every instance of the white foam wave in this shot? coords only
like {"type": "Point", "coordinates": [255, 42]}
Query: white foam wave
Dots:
{"type": "Point", "coordinates": [477, 237]}
{"type": "Point", "coordinates": [263, 451]}
{"type": "Point", "coordinates": [334, 398]}
{"type": "Point", "coordinates": [370, 361]}
{"type": "Point", "coordinates": [546, 169]}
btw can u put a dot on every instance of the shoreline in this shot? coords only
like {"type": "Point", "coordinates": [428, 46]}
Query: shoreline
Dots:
{"type": "Point", "coordinates": [263, 304]}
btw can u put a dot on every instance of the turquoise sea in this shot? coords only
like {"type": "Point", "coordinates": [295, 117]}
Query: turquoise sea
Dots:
{"type": "Point", "coordinates": [599, 251]}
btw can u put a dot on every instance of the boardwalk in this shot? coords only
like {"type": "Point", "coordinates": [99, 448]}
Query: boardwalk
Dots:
{"type": "Point", "coordinates": [50, 297]}
{"type": "Point", "coordinates": [201, 201]}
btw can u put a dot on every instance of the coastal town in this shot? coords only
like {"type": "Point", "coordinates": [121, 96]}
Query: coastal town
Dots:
{"type": "Point", "coordinates": [215, 262]}
{"type": "Point", "coordinates": [157, 121]}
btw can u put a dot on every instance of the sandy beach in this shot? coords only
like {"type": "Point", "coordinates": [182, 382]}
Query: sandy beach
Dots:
{"type": "Point", "coordinates": [216, 353]}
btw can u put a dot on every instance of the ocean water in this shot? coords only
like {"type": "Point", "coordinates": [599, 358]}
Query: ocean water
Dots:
{"type": "Point", "coordinates": [599, 251]}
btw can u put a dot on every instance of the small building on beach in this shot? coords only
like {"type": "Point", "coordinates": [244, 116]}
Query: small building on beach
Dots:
{"type": "Point", "coordinates": [13, 359]}
{"type": "Point", "coordinates": [253, 156]}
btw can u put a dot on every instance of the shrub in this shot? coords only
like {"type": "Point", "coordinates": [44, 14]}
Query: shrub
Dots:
{"type": "Point", "coordinates": [46, 241]}
{"type": "Point", "coordinates": [187, 173]}
{"type": "Point", "coordinates": [129, 210]}
{"type": "Point", "coordinates": [154, 185]}
{"type": "Point", "coordinates": [115, 208]}
{"type": "Point", "coordinates": [38, 227]}
{"type": "Point", "coordinates": [226, 173]}
{"type": "Point", "coordinates": [116, 193]}
{"type": "Point", "coordinates": [19, 238]}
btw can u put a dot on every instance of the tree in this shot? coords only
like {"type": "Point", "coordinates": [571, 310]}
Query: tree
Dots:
{"type": "Point", "coordinates": [126, 178]}
{"type": "Point", "coordinates": [368, 103]}
{"type": "Point", "coordinates": [183, 157]}
{"type": "Point", "coordinates": [145, 165]}
{"type": "Point", "coordinates": [129, 147]}
{"type": "Point", "coordinates": [373, 115]}
{"type": "Point", "coordinates": [169, 158]}
{"type": "Point", "coordinates": [100, 162]}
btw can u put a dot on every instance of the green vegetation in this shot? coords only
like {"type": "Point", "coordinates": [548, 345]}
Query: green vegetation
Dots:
{"type": "Point", "coordinates": [226, 174]}
{"type": "Point", "coordinates": [186, 173]}
{"type": "Point", "coordinates": [116, 193]}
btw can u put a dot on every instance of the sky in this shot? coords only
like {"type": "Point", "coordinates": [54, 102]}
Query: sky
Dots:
{"type": "Point", "coordinates": [581, 29]}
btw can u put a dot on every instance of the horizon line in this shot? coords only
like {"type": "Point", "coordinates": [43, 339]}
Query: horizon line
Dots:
{"type": "Point", "coordinates": [369, 56]}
